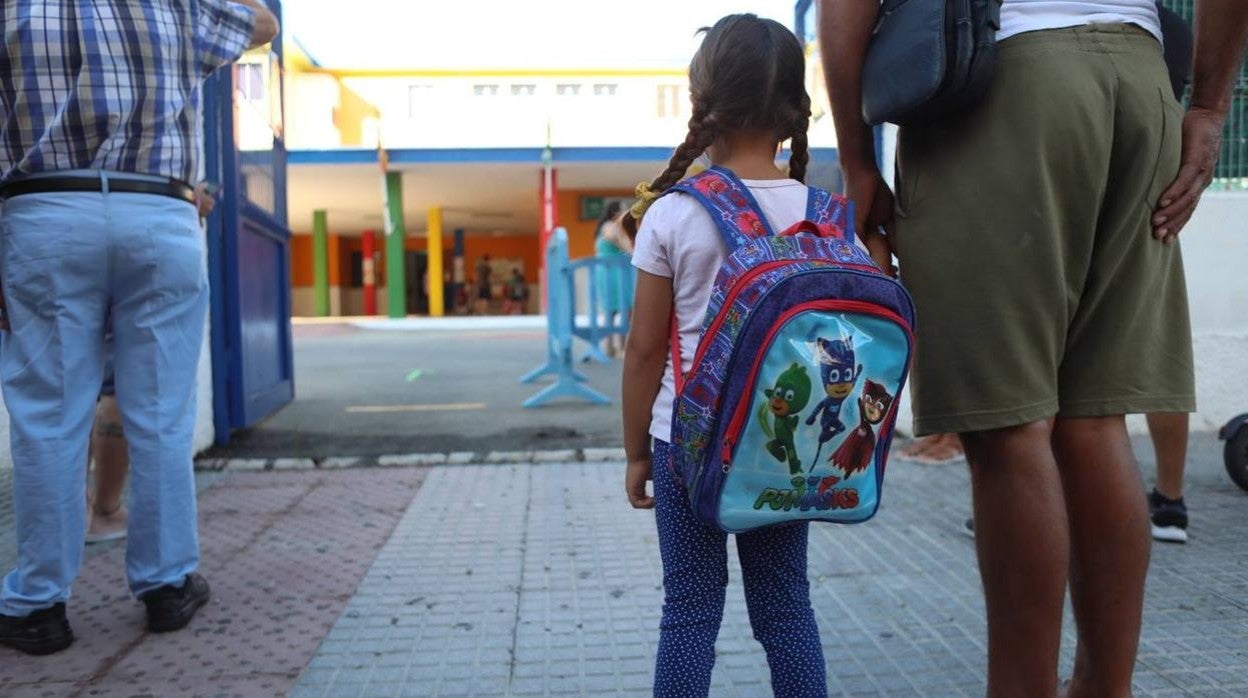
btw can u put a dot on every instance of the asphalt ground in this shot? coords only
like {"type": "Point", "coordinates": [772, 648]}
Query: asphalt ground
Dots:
{"type": "Point", "coordinates": [362, 392]}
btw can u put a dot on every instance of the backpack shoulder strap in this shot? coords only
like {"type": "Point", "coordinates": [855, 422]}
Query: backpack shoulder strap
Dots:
{"type": "Point", "coordinates": [732, 206]}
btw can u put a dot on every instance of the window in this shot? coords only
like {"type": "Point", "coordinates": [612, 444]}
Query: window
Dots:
{"type": "Point", "coordinates": [669, 101]}
{"type": "Point", "coordinates": [251, 81]}
{"type": "Point", "coordinates": [418, 99]}
{"type": "Point", "coordinates": [605, 89]}
{"type": "Point", "coordinates": [357, 270]}
{"type": "Point", "coordinates": [485, 90]}
{"type": "Point", "coordinates": [523, 90]}
{"type": "Point", "coordinates": [568, 89]}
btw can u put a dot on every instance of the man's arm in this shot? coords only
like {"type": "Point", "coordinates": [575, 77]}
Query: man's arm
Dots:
{"type": "Point", "coordinates": [844, 32]}
{"type": "Point", "coordinates": [266, 26]}
{"type": "Point", "coordinates": [1221, 34]}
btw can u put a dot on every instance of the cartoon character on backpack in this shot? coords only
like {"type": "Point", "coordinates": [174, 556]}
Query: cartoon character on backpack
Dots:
{"type": "Point", "coordinates": [855, 453]}
{"type": "Point", "coordinates": [837, 373]}
{"type": "Point", "coordinates": [789, 397]}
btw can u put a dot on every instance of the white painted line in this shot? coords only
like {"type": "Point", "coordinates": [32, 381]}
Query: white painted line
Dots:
{"type": "Point", "coordinates": [389, 409]}
{"type": "Point", "coordinates": [409, 459]}
{"type": "Point", "coordinates": [554, 456]}
{"type": "Point", "coordinates": [603, 455]}
{"type": "Point", "coordinates": [293, 464]}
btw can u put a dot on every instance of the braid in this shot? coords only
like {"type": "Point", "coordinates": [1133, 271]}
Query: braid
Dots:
{"type": "Point", "coordinates": [701, 136]}
{"type": "Point", "coordinates": [799, 150]}
{"type": "Point", "coordinates": [702, 133]}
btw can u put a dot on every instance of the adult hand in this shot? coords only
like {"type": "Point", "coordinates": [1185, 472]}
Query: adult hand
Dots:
{"type": "Point", "coordinates": [873, 213]}
{"type": "Point", "coordinates": [203, 200]}
{"type": "Point", "coordinates": [635, 477]}
{"type": "Point", "coordinates": [1202, 141]}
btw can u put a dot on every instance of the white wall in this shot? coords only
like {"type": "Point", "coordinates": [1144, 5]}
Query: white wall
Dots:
{"type": "Point", "coordinates": [1215, 251]}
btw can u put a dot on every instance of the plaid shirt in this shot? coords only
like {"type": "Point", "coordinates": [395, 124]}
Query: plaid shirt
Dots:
{"type": "Point", "coordinates": [110, 84]}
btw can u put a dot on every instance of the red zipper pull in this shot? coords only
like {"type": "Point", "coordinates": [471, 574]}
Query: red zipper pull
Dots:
{"type": "Point", "coordinates": [727, 452]}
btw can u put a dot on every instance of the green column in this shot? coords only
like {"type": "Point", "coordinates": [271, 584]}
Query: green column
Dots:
{"type": "Point", "coordinates": [320, 262]}
{"type": "Point", "coordinates": [396, 279]}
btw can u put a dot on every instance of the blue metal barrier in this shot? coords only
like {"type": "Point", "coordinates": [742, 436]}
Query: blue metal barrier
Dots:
{"type": "Point", "coordinates": [602, 321]}
{"type": "Point", "coordinates": [560, 331]}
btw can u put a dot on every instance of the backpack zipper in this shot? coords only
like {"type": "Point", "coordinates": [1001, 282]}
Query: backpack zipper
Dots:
{"type": "Point", "coordinates": [740, 284]}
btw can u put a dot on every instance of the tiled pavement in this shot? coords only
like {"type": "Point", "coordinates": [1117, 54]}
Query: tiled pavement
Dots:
{"type": "Point", "coordinates": [283, 551]}
{"type": "Point", "coordinates": [539, 580]}
{"type": "Point", "coordinates": [520, 580]}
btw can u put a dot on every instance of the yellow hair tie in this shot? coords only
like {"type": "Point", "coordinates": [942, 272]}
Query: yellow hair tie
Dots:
{"type": "Point", "coordinates": [645, 197]}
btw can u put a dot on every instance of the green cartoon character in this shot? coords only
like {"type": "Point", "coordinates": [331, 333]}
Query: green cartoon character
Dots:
{"type": "Point", "coordinates": [784, 402]}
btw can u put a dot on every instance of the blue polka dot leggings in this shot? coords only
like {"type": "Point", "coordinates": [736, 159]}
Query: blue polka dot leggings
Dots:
{"type": "Point", "coordinates": [695, 578]}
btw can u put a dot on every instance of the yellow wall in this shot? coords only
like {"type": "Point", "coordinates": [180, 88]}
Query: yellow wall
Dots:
{"type": "Point", "coordinates": [349, 117]}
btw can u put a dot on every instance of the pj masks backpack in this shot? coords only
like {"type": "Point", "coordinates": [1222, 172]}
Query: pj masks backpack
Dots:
{"type": "Point", "coordinates": [788, 410]}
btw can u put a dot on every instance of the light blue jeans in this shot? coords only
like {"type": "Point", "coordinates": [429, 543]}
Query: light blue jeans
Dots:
{"type": "Point", "coordinates": [68, 261]}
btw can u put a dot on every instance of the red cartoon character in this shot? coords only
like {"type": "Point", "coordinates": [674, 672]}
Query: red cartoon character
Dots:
{"type": "Point", "coordinates": [855, 453]}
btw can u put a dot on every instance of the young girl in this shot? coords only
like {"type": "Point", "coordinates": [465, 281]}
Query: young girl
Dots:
{"type": "Point", "coordinates": [748, 93]}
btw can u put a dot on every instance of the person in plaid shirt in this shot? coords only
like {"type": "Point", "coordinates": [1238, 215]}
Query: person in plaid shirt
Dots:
{"type": "Point", "coordinates": [99, 138]}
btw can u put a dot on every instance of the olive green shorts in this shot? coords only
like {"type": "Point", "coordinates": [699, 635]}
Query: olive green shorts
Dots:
{"type": "Point", "coordinates": [1023, 233]}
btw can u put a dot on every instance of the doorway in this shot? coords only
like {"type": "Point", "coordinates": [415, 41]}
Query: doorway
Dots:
{"type": "Point", "coordinates": [416, 270]}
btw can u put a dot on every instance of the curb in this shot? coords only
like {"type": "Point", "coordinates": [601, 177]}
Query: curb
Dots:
{"type": "Point", "coordinates": [415, 460]}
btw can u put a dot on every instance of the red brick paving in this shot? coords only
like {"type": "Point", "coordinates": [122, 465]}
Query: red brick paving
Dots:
{"type": "Point", "coordinates": [283, 551]}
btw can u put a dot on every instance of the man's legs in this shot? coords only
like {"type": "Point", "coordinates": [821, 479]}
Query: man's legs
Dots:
{"type": "Point", "coordinates": [1109, 550]}
{"type": "Point", "coordinates": [1167, 510]}
{"type": "Point", "coordinates": [112, 463]}
{"type": "Point", "coordinates": [51, 368]}
{"type": "Point", "coordinates": [1023, 546]}
{"type": "Point", "coordinates": [1169, 433]}
{"type": "Point", "coordinates": [160, 299]}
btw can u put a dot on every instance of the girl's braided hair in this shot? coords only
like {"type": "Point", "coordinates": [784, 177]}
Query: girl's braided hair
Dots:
{"type": "Point", "coordinates": [749, 74]}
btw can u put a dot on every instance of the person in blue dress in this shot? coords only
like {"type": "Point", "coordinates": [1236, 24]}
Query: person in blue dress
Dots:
{"type": "Point", "coordinates": [615, 285]}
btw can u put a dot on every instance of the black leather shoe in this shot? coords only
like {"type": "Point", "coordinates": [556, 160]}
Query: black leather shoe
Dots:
{"type": "Point", "coordinates": [170, 608]}
{"type": "Point", "coordinates": [43, 632]}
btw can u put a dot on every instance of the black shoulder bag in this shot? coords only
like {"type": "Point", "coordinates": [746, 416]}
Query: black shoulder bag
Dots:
{"type": "Point", "coordinates": [928, 59]}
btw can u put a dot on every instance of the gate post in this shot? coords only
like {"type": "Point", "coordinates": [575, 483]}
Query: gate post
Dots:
{"type": "Point", "coordinates": [320, 262]}
{"type": "Point", "coordinates": [396, 279]}
{"type": "Point", "coordinates": [437, 283]}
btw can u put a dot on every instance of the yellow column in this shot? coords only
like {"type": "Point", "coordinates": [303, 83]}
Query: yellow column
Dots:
{"type": "Point", "coordinates": [437, 301]}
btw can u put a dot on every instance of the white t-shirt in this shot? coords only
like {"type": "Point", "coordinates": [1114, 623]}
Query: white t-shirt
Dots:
{"type": "Point", "coordinates": [1019, 16]}
{"type": "Point", "coordinates": [678, 240]}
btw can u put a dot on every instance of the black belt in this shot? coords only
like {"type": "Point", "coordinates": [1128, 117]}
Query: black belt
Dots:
{"type": "Point", "coordinates": [46, 185]}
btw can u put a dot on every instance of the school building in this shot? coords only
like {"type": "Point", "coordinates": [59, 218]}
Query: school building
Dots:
{"type": "Point", "coordinates": [401, 177]}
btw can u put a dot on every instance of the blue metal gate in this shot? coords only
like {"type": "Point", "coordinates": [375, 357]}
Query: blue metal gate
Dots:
{"type": "Point", "coordinates": [248, 241]}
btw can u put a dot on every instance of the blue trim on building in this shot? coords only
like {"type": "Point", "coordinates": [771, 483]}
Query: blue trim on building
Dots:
{"type": "Point", "coordinates": [414, 156]}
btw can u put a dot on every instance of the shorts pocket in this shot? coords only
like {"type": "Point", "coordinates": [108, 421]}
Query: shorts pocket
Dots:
{"type": "Point", "coordinates": [1169, 147]}
{"type": "Point", "coordinates": [906, 162]}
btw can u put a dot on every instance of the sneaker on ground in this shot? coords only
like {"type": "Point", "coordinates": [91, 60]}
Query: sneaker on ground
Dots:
{"type": "Point", "coordinates": [171, 608]}
{"type": "Point", "coordinates": [1169, 518]}
{"type": "Point", "coordinates": [106, 527]}
{"type": "Point", "coordinates": [43, 632]}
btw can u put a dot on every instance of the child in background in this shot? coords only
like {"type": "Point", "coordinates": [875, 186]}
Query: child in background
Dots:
{"type": "Point", "coordinates": [747, 84]}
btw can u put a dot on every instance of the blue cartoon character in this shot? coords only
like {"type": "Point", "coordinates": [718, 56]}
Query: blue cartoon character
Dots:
{"type": "Point", "coordinates": [838, 373]}
{"type": "Point", "coordinates": [779, 415]}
